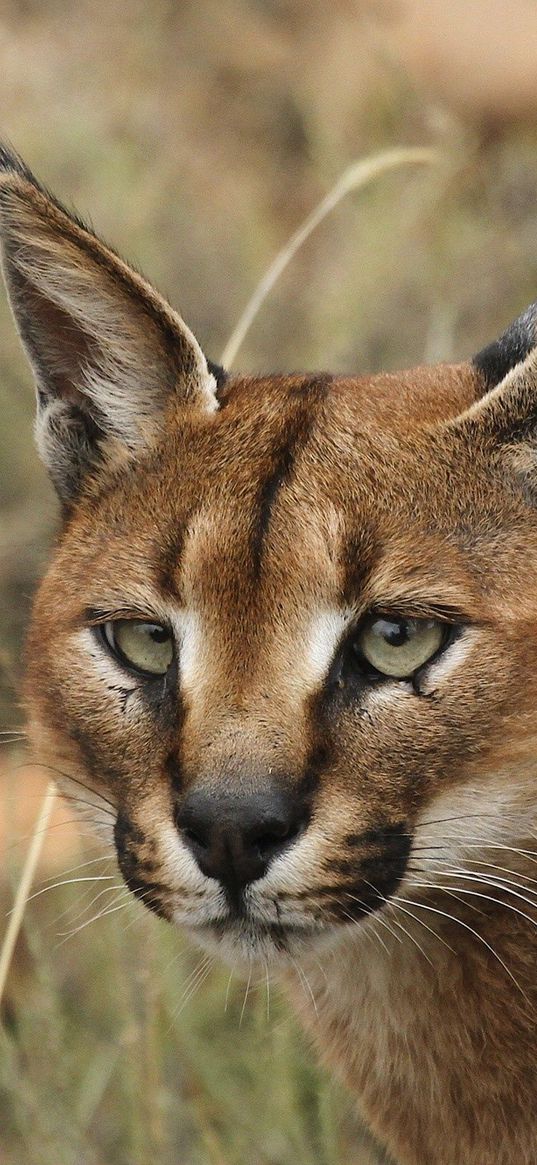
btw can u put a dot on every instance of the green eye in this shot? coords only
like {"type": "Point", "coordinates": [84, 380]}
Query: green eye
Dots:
{"type": "Point", "coordinates": [144, 647]}
{"type": "Point", "coordinates": [398, 647]}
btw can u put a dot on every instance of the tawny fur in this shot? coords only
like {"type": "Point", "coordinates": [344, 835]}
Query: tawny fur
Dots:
{"type": "Point", "coordinates": [261, 522]}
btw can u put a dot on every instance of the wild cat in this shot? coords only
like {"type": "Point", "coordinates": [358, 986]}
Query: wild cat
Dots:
{"type": "Point", "coordinates": [286, 653]}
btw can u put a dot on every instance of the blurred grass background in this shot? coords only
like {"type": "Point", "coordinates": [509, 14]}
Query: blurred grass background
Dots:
{"type": "Point", "coordinates": [196, 136]}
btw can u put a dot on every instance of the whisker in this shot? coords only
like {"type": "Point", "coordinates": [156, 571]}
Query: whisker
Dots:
{"type": "Point", "coordinates": [67, 882]}
{"type": "Point", "coordinates": [473, 843]}
{"type": "Point", "coordinates": [476, 909]}
{"type": "Point", "coordinates": [82, 865]}
{"type": "Point", "coordinates": [501, 882]}
{"type": "Point", "coordinates": [496, 885]}
{"type": "Point", "coordinates": [306, 985]}
{"type": "Point", "coordinates": [369, 931]}
{"type": "Point", "coordinates": [194, 982]}
{"type": "Point", "coordinates": [245, 996]}
{"type": "Point", "coordinates": [428, 928]}
{"type": "Point", "coordinates": [465, 817]}
{"type": "Point", "coordinates": [83, 905]}
{"type": "Point", "coordinates": [395, 906]}
{"type": "Point", "coordinates": [56, 825]}
{"type": "Point", "coordinates": [228, 989]}
{"type": "Point", "coordinates": [466, 926]}
{"type": "Point", "coordinates": [101, 914]}
{"type": "Point", "coordinates": [372, 917]}
{"type": "Point", "coordinates": [178, 957]}
{"type": "Point", "coordinates": [67, 777]}
{"type": "Point", "coordinates": [503, 869]}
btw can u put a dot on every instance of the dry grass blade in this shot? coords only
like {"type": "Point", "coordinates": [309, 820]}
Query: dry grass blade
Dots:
{"type": "Point", "coordinates": [25, 885]}
{"type": "Point", "coordinates": [356, 177]}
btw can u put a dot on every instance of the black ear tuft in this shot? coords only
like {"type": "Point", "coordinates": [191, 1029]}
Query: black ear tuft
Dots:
{"type": "Point", "coordinates": [497, 359]}
{"type": "Point", "coordinates": [12, 163]}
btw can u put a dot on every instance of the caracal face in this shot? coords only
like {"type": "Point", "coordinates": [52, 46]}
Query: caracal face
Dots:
{"type": "Point", "coordinates": [288, 629]}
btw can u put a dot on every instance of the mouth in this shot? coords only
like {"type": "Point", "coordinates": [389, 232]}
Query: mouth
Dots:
{"type": "Point", "coordinates": [245, 940]}
{"type": "Point", "coordinates": [248, 932]}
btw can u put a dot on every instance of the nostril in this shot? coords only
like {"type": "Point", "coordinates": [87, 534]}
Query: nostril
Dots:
{"type": "Point", "coordinates": [275, 836]}
{"type": "Point", "coordinates": [196, 838]}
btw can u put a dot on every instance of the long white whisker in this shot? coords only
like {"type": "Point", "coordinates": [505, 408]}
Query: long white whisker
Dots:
{"type": "Point", "coordinates": [493, 866]}
{"type": "Point", "coordinates": [202, 963]}
{"type": "Point", "coordinates": [476, 909]}
{"type": "Point", "coordinates": [487, 897]}
{"type": "Point", "coordinates": [82, 865]}
{"type": "Point", "coordinates": [101, 914]}
{"type": "Point", "coordinates": [465, 817]}
{"type": "Point", "coordinates": [470, 842]}
{"type": "Point", "coordinates": [84, 906]}
{"type": "Point", "coordinates": [243, 1008]}
{"type": "Point", "coordinates": [396, 906]}
{"type": "Point", "coordinates": [497, 883]}
{"type": "Point", "coordinates": [195, 982]}
{"type": "Point", "coordinates": [368, 929]}
{"type": "Point", "coordinates": [420, 922]}
{"type": "Point", "coordinates": [370, 918]}
{"type": "Point", "coordinates": [228, 989]}
{"type": "Point", "coordinates": [70, 882]}
{"type": "Point", "coordinates": [78, 821]}
{"type": "Point", "coordinates": [178, 957]}
{"type": "Point", "coordinates": [466, 926]}
{"type": "Point", "coordinates": [306, 986]}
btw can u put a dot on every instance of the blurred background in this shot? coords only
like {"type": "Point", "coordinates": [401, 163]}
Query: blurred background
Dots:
{"type": "Point", "coordinates": [196, 136]}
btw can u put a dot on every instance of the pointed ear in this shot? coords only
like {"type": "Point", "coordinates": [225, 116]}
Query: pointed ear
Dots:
{"type": "Point", "coordinates": [106, 350]}
{"type": "Point", "coordinates": [506, 373]}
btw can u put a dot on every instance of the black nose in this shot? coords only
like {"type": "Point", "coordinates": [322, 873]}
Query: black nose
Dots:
{"type": "Point", "coordinates": [234, 838]}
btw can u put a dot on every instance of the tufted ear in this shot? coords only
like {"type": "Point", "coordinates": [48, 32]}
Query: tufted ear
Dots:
{"type": "Point", "coordinates": [106, 350]}
{"type": "Point", "coordinates": [506, 374]}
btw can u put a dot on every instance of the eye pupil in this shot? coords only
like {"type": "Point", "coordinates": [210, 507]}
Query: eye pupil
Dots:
{"type": "Point", "coordinates": [158, 634]}
{"type": "Point", "coordinates": [395, 633]}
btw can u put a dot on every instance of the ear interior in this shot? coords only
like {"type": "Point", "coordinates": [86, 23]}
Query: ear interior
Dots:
{"type": "Point", "coordinates": [107, 351]}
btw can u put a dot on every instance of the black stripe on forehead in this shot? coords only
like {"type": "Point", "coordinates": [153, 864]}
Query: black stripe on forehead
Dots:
{"type": "Point", "coordinates": [309, 393]}
{"type": "Point", "coordinates": [359, 553]}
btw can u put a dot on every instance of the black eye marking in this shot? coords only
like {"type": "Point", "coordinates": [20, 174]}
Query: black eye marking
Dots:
{"type": "Point", "coordinates": [123, 693]}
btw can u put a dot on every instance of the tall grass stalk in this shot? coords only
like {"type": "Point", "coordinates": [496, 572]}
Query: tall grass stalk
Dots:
{"type": "Point", "coordinates": [356, 177]}
{"type": "Point", "coordinates": [25, 884]}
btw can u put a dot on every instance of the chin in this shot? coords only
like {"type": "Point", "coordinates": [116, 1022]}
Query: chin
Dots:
{"type": "Point", "coordinates": [243, 943]}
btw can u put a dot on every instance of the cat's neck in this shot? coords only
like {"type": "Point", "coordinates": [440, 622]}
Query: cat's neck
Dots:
{"type": "Point", "coordinates": [428, 1011]}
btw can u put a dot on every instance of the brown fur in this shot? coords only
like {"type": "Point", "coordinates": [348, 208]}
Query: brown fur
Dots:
{"type": "Point", "coordinates": [263, 531]}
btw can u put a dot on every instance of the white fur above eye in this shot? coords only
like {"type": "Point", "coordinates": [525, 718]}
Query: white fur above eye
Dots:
{"type": "Point", "coordinates": [325, 632]}
{"type": "Point", "coordinates": [191, 647]}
